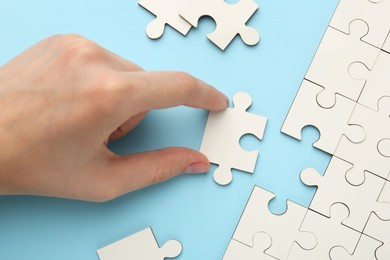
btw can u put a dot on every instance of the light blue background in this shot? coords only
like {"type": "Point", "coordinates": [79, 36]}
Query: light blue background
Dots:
{"type": "Point", "coordinates": [193, 209]}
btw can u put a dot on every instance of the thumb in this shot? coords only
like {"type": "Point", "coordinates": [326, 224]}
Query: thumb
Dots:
{"type": "Point", "coordinates": [131, 172]}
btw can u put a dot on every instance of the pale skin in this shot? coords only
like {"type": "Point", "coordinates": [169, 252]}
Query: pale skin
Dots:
{"type": "Point", "coordinates": [65, 98]}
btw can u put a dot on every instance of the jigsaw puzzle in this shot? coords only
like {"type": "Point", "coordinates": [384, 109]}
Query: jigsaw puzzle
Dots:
{"type": "Point", "coordinates": [377, 83]}
{"type": "Point", "coordinates": [329, 233]}
{"type": "Point", "coordinates": [221, 139]}
{"type": "Point", "coordinates": [167, 12]}
{"type": "Point", "coordinates": [141, 246]}
{"type": "Point", "coordinates": [230, 19]}
{"type": "Point", "coordinates": [237, 250]}
{"type": "Point", "coordinates": [379, 229]}
{"type": "Point", "coordinates": [386, 46]}
{"type": "Point", "coordinates": [365, 155]}
{"type": "Point", "coordinates": [332, 122]}
{"type": "Point", "coordinates": [330, 64]}
{"type": "Point", "coordinates": [334, 188]}
{"type": "Point", "coordinates": [374, 12]}
{"type": "Point", "coordinates": [283, 229]}
{"type": "Point", "coordinates": [365, 250]}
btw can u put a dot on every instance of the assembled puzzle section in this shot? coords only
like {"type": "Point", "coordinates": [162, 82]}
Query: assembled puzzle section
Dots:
{"type": "Point", "coordinates": [141, 246]}
{"type": "Point", "coordinates": [166, 12]}
{"type": "Point", "coordinates": [283, 229]}
{"type": "Point", "coordinates": [221, 139]}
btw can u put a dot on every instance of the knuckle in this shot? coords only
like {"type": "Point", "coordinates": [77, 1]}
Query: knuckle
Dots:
{"type": "Point", "coordinates": [81, 51]}
{"type": "Point", "coordinates": [164, 170]}
{"type": "Point", "coordinates": [187, 80]}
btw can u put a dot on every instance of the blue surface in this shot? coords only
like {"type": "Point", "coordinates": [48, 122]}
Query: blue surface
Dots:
{"type": "Point", "coordinates": [193, 209]}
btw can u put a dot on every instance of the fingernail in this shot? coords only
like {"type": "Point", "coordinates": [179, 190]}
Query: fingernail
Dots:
{"type": "Point", "coordinates": [225, 99]}
{"type": "Point", "coordinates": [199, 167]}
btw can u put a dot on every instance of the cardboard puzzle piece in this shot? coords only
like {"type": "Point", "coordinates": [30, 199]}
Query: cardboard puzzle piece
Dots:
{"type": "Point", "coordinates": [141, 246]}
{"type": "Point", "coordinates": [230, 19]}
{"type": "Point", "coordinates": [221, 139]}
{"type": "Point", "coordinates": [374, 12]}
{"type": "Point", "coordinates": [365, 250]}
{"type": "Point", "coordinates": [334, 188]}
{"type": "Point", "coordinates": [329, 233]}
{"type": "Point", "coordinates": [332, 123]}
{"type": "Point", "coordinates": [166, 12]}
{"type": "Point", "coordinates": [283, 229]}
{"type": "Point", "coordinates": [336, 52]}
{"type": "Point", "coordinates": [377, 83]}
{"type": "Point", "coordinates": [365, 155]}
{"type": "Point", "coordinates": [237, 250]}
{"type": "Point", "coordinates": [379, 229]}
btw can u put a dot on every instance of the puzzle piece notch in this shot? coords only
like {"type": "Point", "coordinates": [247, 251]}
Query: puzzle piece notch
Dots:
{"type": "Point", "coordinates": [332, 123]}
{"type": "Point", "coordinates": [365, 250]}
{"type": "Point", "coordinates": [365, 155]}
{"type": "Point", "coordinates": [334, 188]}
{"type": "Point", "coordinates": [375, 13]}
{"type": "Point", "coordinates": [384, 147]}
{"type": "Point", "coordinates": [345, 49]}
{"type": "Point", "coordinates": [329, 233]}
{"type": "Point", "coordinates": [379, 229]}
{"type": "Point", "coordinates": [222, 135]}
{"type": "Point", "coordinates": [377, 80]}
{"type": "Point", "coordinates": [230, 19]}
{"type": "Point", "coordinates": [167, 12]}
{"type": "Point", "coordinates": [141, 245]}
{"type": "Point", "coordinates": [283, 229]}
{"type": "Point", "coordinates": [237, 250]}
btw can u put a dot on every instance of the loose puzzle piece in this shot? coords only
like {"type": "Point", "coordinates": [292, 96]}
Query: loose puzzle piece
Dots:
{"type": "Point", "coordinates": [167, 12]}
{"type": "Point", "coordinates": [365, 155]}
{"type": "Point", "coordinates": [329, 233]}
{"type": "Point", "coordinates": [334, 188]}
{"type": "Point", "coordinates": [229, 18]}
{"type": "Point", "coordinates": [374, 12]}
{"type": "Point", "coordinates": [283, 229]}
{"type": "Point", "coordinates": [332, 122]}
{"type": "Point", "coordinates": [380, 230]}
{"type": "Point", "coordinates": [365, 250]}
{"type": "Point", "coordinates": [237, 250]}
{"type": "Point", "coordinates": [377, 80]}
{"type": "Point", "coordinates": [336, 52]}
{"type": "Point", "coordinates": [141, 246]}
{"type": "Point", "coordinates": [222, 136]}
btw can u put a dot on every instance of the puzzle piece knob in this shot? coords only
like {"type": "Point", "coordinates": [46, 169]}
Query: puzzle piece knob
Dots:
{"type": "Point", "coordinates": [223, 175]}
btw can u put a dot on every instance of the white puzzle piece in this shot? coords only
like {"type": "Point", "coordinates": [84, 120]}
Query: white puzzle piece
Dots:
{"type": "Point", "coordinates": [329, 233]}
{"type": "Point", "coordinates": [374, 12]}
{"type": "Point", "coordinates": [377, 80]}
{"type": "Point", "coordinates": [365, 155]}
{"type": "Point", "coordinates": [365, 250]}
{"type": "Point", "coordinates": [334, 188]}
{"type": "Point", "coordinates": [166, 12]}
{"type": "Point", "coordinates": [141, 246]}
{"type": "Point", "coordinates": [384, 147]}
{"type": "Point", "coordinates": [230, 19]}
{"type": "Point", "coordinates": [221, 139]}
{"type": "Point", "coordinates": [332, 123]}
{"type": "Point", "coordinates": [336, 52]}
{"type": "Point", "coordinates": [380, 230]}
{"type": "Point", "coordinates": [283, 229]}
{"type": "Point", "coordinates": [237, 250]}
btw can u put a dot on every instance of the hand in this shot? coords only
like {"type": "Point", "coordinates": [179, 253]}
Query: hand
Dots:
{"type": "Point", "coordinates": [65, 98]}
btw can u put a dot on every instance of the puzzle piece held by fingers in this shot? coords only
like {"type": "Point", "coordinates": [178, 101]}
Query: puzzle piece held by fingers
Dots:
{"type": "Point", "coordinates": [141, 246]}
{"type": "Point", "coordinates": [230, 19]}
{"type": "Point", "coordinates": [221, 139]}
{"type": "Point", "coordinates": [167, 12]}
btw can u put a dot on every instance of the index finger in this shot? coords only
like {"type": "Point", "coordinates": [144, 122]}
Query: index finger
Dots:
{"type": "Point", "coordinates": [162, 89]}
